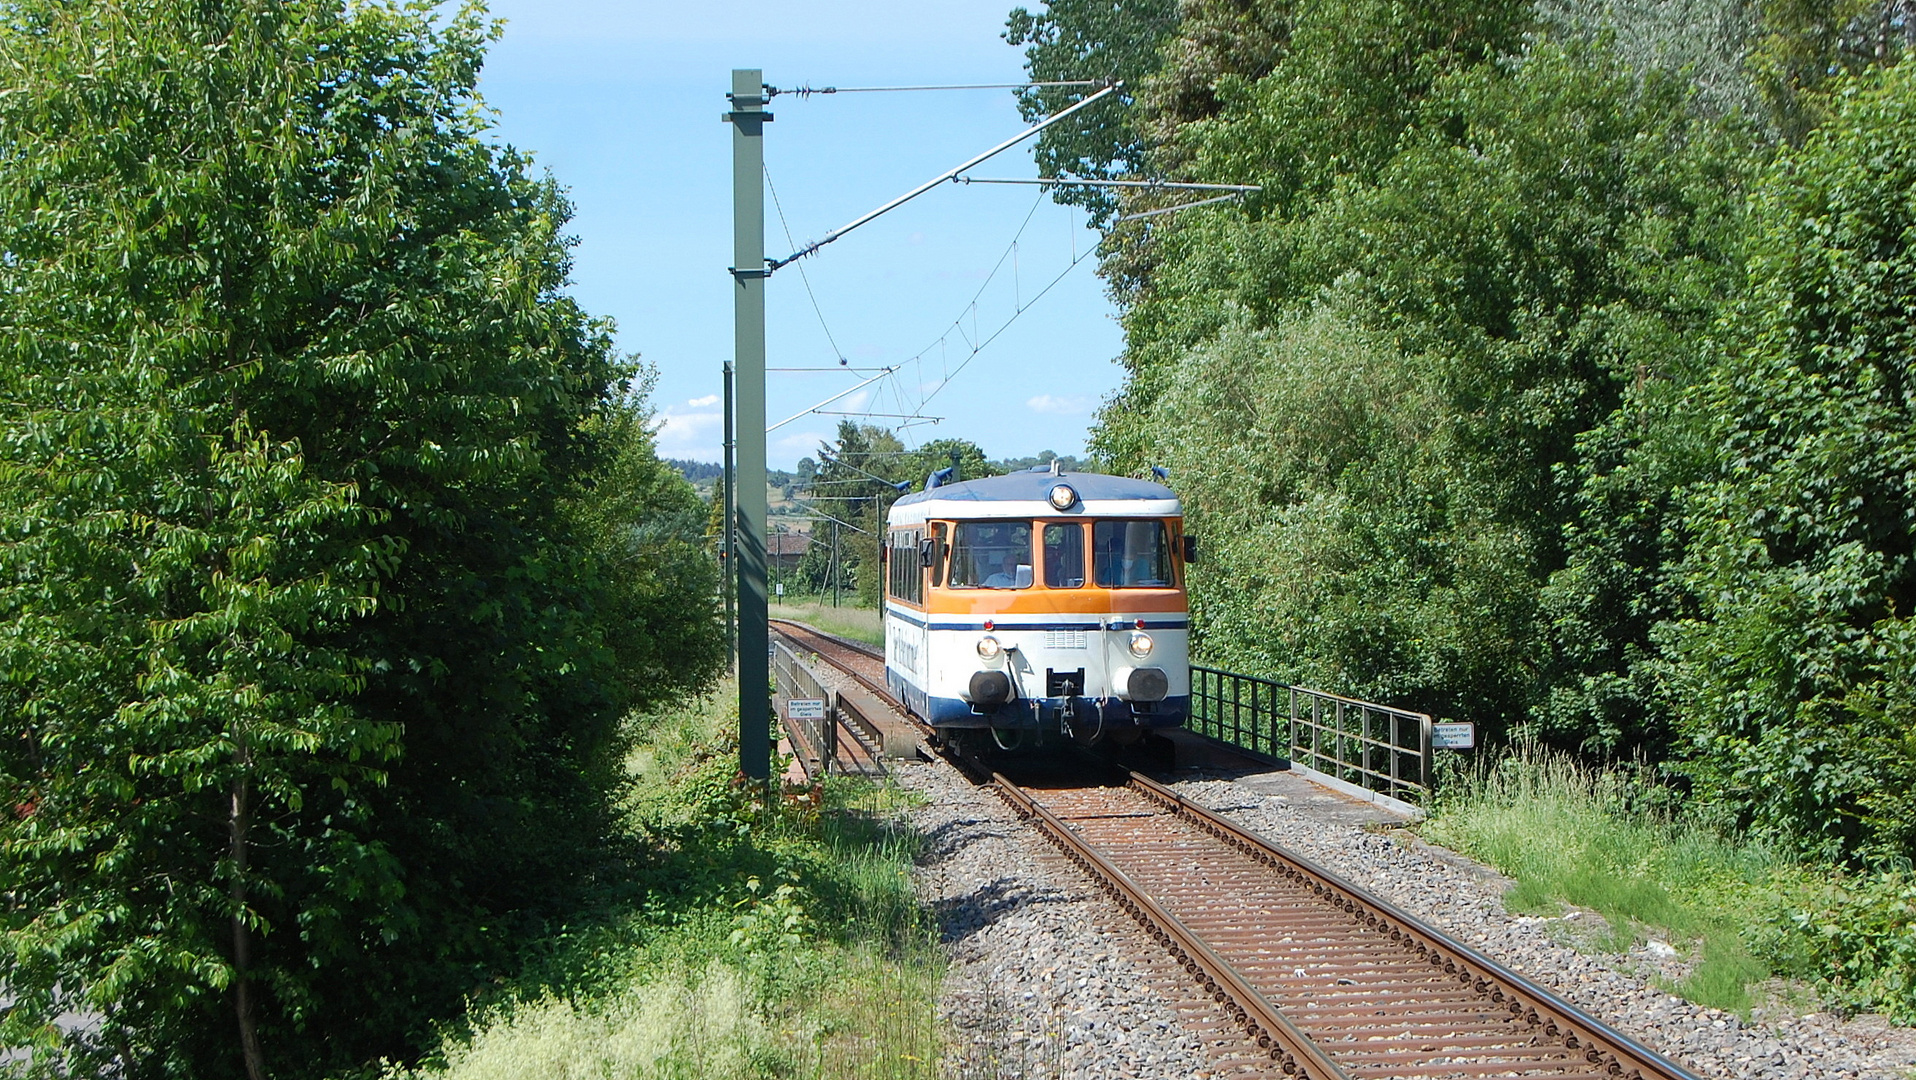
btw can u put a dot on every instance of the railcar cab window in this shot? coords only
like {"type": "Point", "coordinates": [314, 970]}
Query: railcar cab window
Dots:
{"type": "Point", "coordinates": [1132, 555]}
{"type": "Point", "coordinates": [990, 555]}
{"type": "Point", "coordinates": [1064, 556]}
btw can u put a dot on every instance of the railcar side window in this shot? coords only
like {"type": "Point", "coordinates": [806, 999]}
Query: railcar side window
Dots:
{"type": "Point", "coordinates": [1131, 554]}
{"type": "Point", "coordinates": [1064, 556]}
{"type": "Point", "coordinates": [990, 555]}
{"type": "Point", "coordinates": [904, 574]}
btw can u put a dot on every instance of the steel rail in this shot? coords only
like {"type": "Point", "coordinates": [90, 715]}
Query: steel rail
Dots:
{"type": "Point", "coordinates": [1289, 1048]}
{"type": "Point", "coordinates": [788, 627]}
{"type": "Point", "coordinates": [1600, 1044]}
{"type": "Point", "coordinates": [812, 631]}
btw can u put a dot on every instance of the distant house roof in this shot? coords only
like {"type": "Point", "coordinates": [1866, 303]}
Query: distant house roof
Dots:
{"type": "Point", "coordinates": [787, 543]}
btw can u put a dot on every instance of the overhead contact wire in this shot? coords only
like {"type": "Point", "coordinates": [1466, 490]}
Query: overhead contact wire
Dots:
{"type": "Point", "coordinates": [971, 307]}
{"type": "Point", "coordinates": [1002, 327]}
{"type": "Point", "coordinates": [837, 353]}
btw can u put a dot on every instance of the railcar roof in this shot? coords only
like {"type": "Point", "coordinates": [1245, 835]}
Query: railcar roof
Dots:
{"type": "Point", "coordinates": [1037, 484]}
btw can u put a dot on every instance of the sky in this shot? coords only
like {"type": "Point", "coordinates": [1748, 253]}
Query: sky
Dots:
{"type": "Point", "coordinates": [622, 102]}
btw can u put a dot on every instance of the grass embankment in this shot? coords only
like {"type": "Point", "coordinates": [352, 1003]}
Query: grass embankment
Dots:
{"type": "Point", "coordinates": [753, 941]}
{"type": "Point", "coordinates": [857, 623]}
{"type": "Point", "coordinates": [1739, 910]}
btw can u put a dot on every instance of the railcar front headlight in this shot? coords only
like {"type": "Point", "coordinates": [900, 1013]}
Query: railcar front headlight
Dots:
{"type": "Point", "coordinates": [1062, 496]}
{"type": "Point", "coordinates": [989, 649]}
{"type": "Point", "coordinates": [1141, 644]}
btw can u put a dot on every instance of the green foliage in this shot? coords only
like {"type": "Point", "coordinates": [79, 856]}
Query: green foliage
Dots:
{"type": "Point", "coordinates": [1612, 842]}
{"type": "Point", "coordinates": [1806, 47]}
{"type": "Point", "coordinates": [325, 533]}
{"type": "Point", "coordinates": [643, 527]}
{"type": "Point", "coordinates": [1605, 841]}
{"type": "Point", "coordinates": [750, 940]}
{"type": "Point", "coordinates": [1796, 670]}
{"type": "Point", "coordinates": [856, 482]}
{"type": "Point", "coordinates": [1414, 351]}
{"type": "Point", "coordinates": [1856, 937]}
{"type": "Point", "coordinates": [1077, 40]}
{"type": "Point", "coordinates": [1706, 43]}
{"type": "Point", "coordinates": [1042, 458]}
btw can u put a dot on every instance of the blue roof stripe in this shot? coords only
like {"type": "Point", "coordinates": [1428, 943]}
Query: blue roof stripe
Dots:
{"type": "Point", "coordinates": [1025, 486]}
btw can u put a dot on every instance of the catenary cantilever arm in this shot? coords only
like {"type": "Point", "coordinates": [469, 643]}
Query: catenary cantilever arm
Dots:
{"type": "Point", "coordinates": [774, 264]}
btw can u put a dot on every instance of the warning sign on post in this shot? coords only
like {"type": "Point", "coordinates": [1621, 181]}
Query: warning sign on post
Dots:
{"type": "Point", "coordinates": [1451, 736]}
{"type": "Point", "coordinates": [805, 709]}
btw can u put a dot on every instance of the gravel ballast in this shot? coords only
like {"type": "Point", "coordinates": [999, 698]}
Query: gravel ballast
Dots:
{"type": "Point", "coordinates": [1046, 979]}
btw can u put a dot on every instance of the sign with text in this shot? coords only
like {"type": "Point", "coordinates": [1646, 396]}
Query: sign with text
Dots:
{"type": "Point", "coordinates": [1453, 736]}
{"type": "Point", "coordinates": [806, 708]}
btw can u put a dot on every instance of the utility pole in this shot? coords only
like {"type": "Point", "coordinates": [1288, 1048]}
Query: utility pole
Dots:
{"type": "Point", "coordinates": [747, 117]}
{"type": "Point", "coordinates": [728, 519]}
{"type": "Point", "coordinates": [834, 564]}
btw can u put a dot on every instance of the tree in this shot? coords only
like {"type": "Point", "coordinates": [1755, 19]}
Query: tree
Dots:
{"type": "Point", "coordinates": [1706, 43]}
{"type": "Point", "coordinates": [859, 478]}
{"type": "Point", "coordinates": [944, 453]}
{"type": "Point", "coordinates": [1795, 672]}
{"type": "Point", "coordinates": [1501, 244]}
{"type": "Point", "coordinates": [854, 483]}
{"type": "Point", "coordinates": [1076, 40]}
{"type": "Point", "coordinates": [1805, 46]}
{"type": "Point", "coordinates": [318, 507]}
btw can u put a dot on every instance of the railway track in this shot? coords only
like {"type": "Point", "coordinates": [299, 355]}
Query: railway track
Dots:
{"type": "Point", "coordinates": [864, 663]}
{"type": "Point", "coordinates": [856, 749]}
{"type": "Point", "coordinates": [1325, 980]}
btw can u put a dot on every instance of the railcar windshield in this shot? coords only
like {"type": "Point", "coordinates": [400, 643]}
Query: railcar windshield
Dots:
{"type": "Point", "coordinates": [990, 555]}
{"type": "Point", "coordinates": [1132, 555]}
{"type": "Point", "coordinates": [1064, 556]}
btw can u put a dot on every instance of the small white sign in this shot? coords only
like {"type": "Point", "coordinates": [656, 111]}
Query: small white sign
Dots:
{"type": "Point", "coordinates": [779, 589]}
{"type": "Point", "coordinates": [807, 708]}
{"type": "Point", "coordinates": [1454, 736]}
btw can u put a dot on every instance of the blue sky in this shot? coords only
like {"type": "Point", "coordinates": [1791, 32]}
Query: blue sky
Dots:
{"type": "Point", "coordinates": [622, 101]}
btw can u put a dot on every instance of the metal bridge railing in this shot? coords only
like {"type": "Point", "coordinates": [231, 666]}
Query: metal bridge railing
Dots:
{"type": "Point", "coordinates": [1377, 747]}
{"type": "Point", "coordinates": [793, 679]}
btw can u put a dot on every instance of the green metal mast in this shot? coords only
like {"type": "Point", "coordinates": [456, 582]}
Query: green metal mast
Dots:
{"type": "Point", "coordinates": [748, 118]}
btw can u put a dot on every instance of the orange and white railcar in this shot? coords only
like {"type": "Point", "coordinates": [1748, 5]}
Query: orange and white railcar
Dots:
{"type": "Point", "coordinates": [1037, 604]}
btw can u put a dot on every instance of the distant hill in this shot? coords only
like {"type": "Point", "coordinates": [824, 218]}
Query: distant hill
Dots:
{"type": "Point", "coordinates": [697, 471]}
{"type": "Point", "coordinates": [702, 473]}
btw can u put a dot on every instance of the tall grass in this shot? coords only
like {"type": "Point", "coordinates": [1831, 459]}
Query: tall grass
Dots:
{"type": "Point", "coordinates": [758, 940]}
{"type": "Point", "coordinates": [1617, 842]}
{"type": "Point", "coordinates": [1610, 841]}
{"type": "Point", "coordinates": [856, 623]}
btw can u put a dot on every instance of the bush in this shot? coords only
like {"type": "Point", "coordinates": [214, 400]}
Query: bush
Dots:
{"type": "Point", "coordinates": [1797, 672]}
{"type": "Point", "coordinates": [749, 939]}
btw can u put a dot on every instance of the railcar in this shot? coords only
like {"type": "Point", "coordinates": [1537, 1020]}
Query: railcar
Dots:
{"type": "Point", "coordinates": [1039, 606]}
